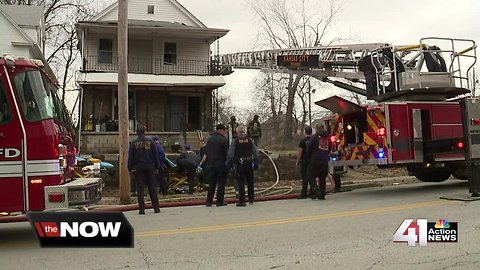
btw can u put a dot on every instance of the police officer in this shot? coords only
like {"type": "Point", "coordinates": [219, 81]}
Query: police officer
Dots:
{"type": "Point", "coordinates": [254, 130]}
{"type": "Point", "coordinates": [244, 154]}
{"type": "Point", "coordinates": [143, 161]}
{"type": "Point", "coordinates": [318, 153]}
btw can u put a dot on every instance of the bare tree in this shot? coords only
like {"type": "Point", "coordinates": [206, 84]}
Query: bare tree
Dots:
{"type": "Point", "coordinates": [294, 24]}
{"type": "Point", "coordinates": [269, 97]}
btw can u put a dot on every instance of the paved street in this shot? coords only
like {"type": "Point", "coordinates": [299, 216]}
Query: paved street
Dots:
{"type": "Point", "coordinates": [350, 230]}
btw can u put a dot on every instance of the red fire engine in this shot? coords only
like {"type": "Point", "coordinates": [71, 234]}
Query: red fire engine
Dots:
{"type": "Point", "coordinates": [412, 117]}
{"type": "Point", "coordinates": [37, 153]}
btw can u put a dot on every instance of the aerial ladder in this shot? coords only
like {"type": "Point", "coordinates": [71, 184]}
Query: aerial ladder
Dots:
{"type": "Point", "coordinates": [384, 71]}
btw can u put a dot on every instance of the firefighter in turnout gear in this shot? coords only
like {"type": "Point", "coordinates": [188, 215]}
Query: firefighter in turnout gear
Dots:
{"type": "Point", "coordinates": [244, 154]}
{"type": "Point", "coordinates": [232, 129]}
{"type": "Point", "coordinates": [254, 130]}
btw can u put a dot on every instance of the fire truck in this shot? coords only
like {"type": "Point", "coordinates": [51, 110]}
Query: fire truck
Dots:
{"type": "Point", "coordinates": [411, 117]}
{"type": "Point", "coordinates": [37, 153]}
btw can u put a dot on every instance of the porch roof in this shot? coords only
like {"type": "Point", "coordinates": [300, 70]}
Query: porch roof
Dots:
{"type": "Point", "coordinates": [145, 27]}
{"type": "Point", "coordinates": [106, 78]}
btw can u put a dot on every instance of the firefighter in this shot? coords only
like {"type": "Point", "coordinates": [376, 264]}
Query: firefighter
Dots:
{"type": "Point", "coordinates": [318, 153]}
{"type": "Point", "coordinates": [254, 130]}
{"type": "Point", "coordinates": [243, 153]}
{"type": "Point", "coordinates": [143, 162]}
{"type": "Point", "coordinates": [232, 131]}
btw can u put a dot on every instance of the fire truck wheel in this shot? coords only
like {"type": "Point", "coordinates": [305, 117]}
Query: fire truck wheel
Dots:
{"type": "Point", "coordinates": [461, 174]}
{"type": "Point", "coordinates": [432, 176]}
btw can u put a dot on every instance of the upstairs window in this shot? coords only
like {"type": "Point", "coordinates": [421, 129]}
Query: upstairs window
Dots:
{"type": "Point", "coordinates": [170, 54]}
{"type": "Point", "coordinates": [105, 51]}
{"type": "Point", "coordinates": [150, 9]}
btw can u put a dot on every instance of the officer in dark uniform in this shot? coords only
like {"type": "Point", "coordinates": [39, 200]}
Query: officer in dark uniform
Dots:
{"type": "Point", "coordinates": [143, 161]}
{"type": "Point", "coordinates": [244, 154]}
{"type": "Point", "coordinates": [214, 159]}
{"type": "Point", "coordinates": [318, 153]}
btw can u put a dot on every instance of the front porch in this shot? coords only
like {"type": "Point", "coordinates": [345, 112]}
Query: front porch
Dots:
{"type": "Point", "coordinates": [161, 109]}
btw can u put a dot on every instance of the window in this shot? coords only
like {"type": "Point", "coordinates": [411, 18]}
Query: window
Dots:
{"type": "Point", "coordinates": [5, 111]}
{"type": "Point", "coordinates": [170, 54]}
{"type": "Point", "coordinates": [150, 9]}
{"type": "Point", "coordinates": [105, 51]}
{"type": "Point", "coordinates": [37, 102]}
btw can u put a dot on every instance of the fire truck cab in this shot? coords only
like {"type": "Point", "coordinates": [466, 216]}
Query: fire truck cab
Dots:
{"type": "Point", "coordinates": [37, 153]}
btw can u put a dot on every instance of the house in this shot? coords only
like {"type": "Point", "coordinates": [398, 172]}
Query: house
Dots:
{"type": "Point", "coordinates": [171, 76]}
{"type": "Point", "coordinates": [23, 32]}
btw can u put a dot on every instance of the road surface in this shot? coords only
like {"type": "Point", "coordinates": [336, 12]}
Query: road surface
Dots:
{"type": "Point", "coordinates": [350, 230]}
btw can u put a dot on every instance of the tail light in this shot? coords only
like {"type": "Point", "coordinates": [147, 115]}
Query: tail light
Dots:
{"type": "Point", "coordinates": [476, 121]}
{"type": "Point", "coordinates": [460, 145]}
{"type": "Point", "coordinates": [56, 197]}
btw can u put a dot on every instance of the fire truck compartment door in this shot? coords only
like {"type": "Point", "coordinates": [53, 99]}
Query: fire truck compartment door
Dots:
{"type": "Point", "coordinates": [339, 105]}
{"type": "Point", "coordinates": [11, 179]}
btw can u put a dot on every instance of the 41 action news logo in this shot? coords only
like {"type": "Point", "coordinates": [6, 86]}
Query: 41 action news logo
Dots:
{"type": "Point", "coordinates": [82, 229]}
{"type": "Point", "coordinates": [420, 231]}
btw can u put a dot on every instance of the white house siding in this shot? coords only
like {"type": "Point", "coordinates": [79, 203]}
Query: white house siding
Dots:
{"type": "Point", "coordinates": [192, 56]}
{"type": "Point", "coordinates": [164, 11]}
{"type": "Point", "coordinates": [146, 56]}
{"type": "Point", "coordinates": [91, 52]}
{"type": "Point", "coordinates": [10, 34]}
{"type": "Point", "coordinates": [140, 55]}
{"type": "Point", "coordinates": [33, 34]}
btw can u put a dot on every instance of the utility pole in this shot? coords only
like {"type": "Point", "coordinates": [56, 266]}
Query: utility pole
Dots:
{"type": "Point", "coordinates": [124, 176]}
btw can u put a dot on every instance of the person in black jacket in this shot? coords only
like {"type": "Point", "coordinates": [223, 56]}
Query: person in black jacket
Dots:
{"type": "Point", "coordinates": [214, 159]}
{"type": "Point", "coordinates": [244, 154]}
{"type": "Point", "coordinates": [318, 153]}
{"type": "Point", "coordinates": [188, 161]}
{"type": "Point", "coordinates": [143, 161]}
{"type": "Point", "coordinates": [302, 162]}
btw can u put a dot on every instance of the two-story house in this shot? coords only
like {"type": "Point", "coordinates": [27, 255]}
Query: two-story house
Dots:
{"type": "Point", "coordinates": [171, 77]}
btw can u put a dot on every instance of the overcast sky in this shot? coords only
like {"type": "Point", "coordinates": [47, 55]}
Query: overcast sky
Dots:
{"type": "Point", "coordinates": [384, 21]}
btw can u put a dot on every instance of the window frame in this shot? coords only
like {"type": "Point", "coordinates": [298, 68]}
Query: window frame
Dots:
{"type": "Point", "coordinates": [150, 9]}
{"type": "Point", "coordinates": [170, 56]}
{"type": "Point", "coordinates": [105, 55]}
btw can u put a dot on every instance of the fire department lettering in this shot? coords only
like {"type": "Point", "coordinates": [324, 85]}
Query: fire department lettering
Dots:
{"type": "Point", "coordinates": [9, 152]}
{"type": "Point", "coordinates": [143, 145]}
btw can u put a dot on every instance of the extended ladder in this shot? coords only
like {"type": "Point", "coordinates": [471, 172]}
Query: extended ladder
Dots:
{"type": "Point", "coordinates": [333, 61]}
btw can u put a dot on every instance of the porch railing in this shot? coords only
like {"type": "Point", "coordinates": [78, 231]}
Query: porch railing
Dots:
{"type": "Point", "coordinates": [151, 66]}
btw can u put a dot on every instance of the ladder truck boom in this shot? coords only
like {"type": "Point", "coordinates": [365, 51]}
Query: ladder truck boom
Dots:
{"type": "Point", "coordinates": [387, 71]}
